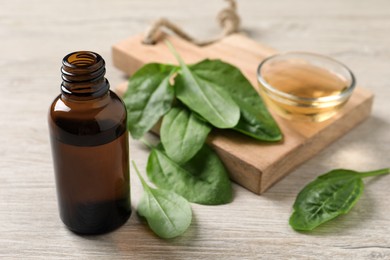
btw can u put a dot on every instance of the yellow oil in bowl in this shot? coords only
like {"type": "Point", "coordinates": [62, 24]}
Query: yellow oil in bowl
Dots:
{"type": "Point", "coordinates": [305, 86]}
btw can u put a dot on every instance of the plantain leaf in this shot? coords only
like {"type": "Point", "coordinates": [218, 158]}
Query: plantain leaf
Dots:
{"type": "Point", "coordinates": [327, 197]}
{"type": "Point", "coordinates": [255, 120]}
{"type": "Point", "coordinates": [183, 134]}
{"type": "Point", "coordinates": [212, 103]}
{"type": "Point", "coordinates": [202, 180]}
{"type": "Point", "coordinates": [148, 97]}
{"type": "Point", "coordinates": [168, 214]}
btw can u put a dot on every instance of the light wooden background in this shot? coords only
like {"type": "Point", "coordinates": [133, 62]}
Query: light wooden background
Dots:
{"type": "Point", "coordinates": [34, 37]}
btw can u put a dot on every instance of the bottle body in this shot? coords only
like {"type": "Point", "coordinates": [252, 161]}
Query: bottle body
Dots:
{"type": "Point", "coordinates": [90, 152]}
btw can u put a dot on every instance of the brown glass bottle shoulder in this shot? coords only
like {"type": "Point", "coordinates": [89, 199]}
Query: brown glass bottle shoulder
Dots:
{"type": "Point", "coordinates": [87, 123]}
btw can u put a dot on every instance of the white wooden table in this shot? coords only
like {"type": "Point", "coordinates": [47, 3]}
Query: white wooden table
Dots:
{"type": "Point", "coordinates": [34, 37]}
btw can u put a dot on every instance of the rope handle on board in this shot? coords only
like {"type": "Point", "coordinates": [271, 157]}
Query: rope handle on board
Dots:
{"type": "Point", "coordinates": [228, 19]}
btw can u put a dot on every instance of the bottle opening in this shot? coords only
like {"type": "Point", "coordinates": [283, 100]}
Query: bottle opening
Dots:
{"type": "Point", "coordinates": [82, 59]}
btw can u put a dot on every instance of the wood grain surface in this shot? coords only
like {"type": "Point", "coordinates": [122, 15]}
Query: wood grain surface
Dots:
{"type": "Point", "coordinates": [35, 35]}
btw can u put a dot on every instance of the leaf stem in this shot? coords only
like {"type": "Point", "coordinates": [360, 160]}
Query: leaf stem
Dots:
{"type": "Point", "coordinates": [374, 173]}
{"type": "Point", "coordinates": [147, 143]}
{"type": "Point", "coordinates": [175, 53]}
{"type": "Point", "coordinates": [144, 184]}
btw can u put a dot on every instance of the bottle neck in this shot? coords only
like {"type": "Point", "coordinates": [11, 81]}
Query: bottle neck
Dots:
{"type": "Point", "coordinates": [83, 76]}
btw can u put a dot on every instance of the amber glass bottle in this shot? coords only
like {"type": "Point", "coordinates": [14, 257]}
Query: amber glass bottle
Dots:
{"type": "Point", "coordinates": [90, 151]}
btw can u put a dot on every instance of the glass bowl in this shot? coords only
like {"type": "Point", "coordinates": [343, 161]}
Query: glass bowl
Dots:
{"type": "Point", "coordinates": [305, 86]}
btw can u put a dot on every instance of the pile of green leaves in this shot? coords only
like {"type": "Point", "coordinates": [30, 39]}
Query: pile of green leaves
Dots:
{"type": "Point", "coordinates": [214, 92]}
{"type": "Point", "coordinates": [191, 100]}
{"type": "Point", "coordinates": [329, 196]}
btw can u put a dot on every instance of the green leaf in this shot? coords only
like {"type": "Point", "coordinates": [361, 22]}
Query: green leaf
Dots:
{"type": "Point", "coordinates": [183, 134]}
{"type": "Point", "coordinates": [148, 97]}
{"type": "Point", "coordinates": [255, 119]}
{"type": "Point", "coordinates": [327, 200]}
{"type": "Point", "coordinates": [327, 197]}
{"type": "Point", "coordinates": [201, 96]}
{"type": "Point", "coordinates": [168, 214]}
{"type": "Point", "coordinates": [202, 180]}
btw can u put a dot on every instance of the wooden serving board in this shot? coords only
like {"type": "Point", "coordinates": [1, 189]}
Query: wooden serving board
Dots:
{"type": "Point", "coordinates": [253, 164]}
